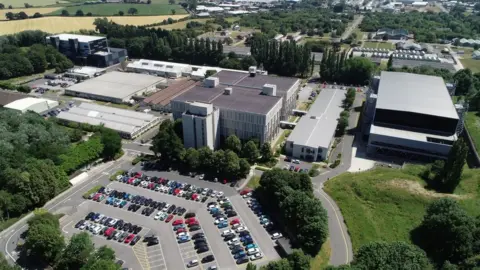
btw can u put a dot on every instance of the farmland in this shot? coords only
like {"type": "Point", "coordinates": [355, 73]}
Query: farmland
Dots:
{"type": "Point", "coordinates": [35, 3]}
{"type": "Point", "coordinates": [69, 24]}
{"type": "Point", "coordinates": [113, 9]}
{"type": "Point", "coordinates": [29, 11]}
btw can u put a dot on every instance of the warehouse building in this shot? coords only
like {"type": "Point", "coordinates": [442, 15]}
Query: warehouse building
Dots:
{"type": "Point", "coordinates": [115, 87]}
{"type": "Point", "coordinates": [33, 104]}
{"type": "Point", "coordinates": [312, 137]}
{"type": "Point", "coordinates": [129, 124]}
{"type": "Point", "coordinates": [160, 101]}
{"type": "Point", "coordinates": [410, 115]}
{"type": "Point", "coordinates": [8, 96]}
{"type": "Point", "coordinates": [246, 105]}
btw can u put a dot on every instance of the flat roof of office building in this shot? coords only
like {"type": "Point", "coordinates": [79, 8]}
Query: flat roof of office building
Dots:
{"type": "Point", "coordinates": [164, 96]}
{"type": "Point", "coordinates": [27, 102]}
{"type": "Point", "coordinates": [7, 96]}
{"type": "Point", "coordinates": [116, 84]}
{"type": "Point", "coordinates": [81, 38]}
{"type": "Point", "coordinates": [422, 94]}
{"type": "Point", "coordinates": [117, 119]}
{"type": "Point", "coordinates": [246, 92]}
{"type": "Point", "coordinates": [317, 127]}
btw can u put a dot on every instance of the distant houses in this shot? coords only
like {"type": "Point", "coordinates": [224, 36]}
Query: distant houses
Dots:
{"type": "Point", "coordinates": [392, 34]}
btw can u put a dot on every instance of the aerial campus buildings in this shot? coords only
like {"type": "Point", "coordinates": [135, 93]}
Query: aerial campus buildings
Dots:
{"type": "Point", "coordinates": [23, 103]}
{"type": "Point", "coordinates": [234, 103]}
{"type": "Point", "coordinates": [411, 115]}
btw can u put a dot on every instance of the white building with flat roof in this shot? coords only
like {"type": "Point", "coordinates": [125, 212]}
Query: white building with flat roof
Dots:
{"type": "Point", "coordinates": [312, 137]}
{"type": "Point", "coordinates": [37, 105]}
{"type": "Point", "coordinates": [200, 125]}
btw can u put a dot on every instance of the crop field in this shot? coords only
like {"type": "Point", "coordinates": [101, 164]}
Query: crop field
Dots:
{"type": "Point", "coordinates": [35, 3]}
{"type": "Point", "coordinates": [113, 9]}
{"type": "Point", "coordinates": [29, 11]}
{"type": "Point", "coordinates": [68, 24]}
{"type": "Point", "coordinates": [181, 25]}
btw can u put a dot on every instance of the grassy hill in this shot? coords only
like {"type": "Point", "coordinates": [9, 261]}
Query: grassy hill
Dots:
{"type": "Point", "coordinates": [386, 204]}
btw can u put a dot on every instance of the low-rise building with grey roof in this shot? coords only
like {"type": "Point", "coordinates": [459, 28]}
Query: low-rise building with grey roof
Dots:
{"type": "Point", "coordinates": [313, 134]}
{"type": "Point", "coordinates": [411, 114]}
{"type": "Point", "coordinates": [129, 124]}
{"type": "Point", "coordinates": [115, 87]}
{"type": "Point", "coordinates": [245, 104]}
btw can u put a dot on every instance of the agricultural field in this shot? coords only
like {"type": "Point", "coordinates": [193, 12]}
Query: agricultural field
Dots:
{"type": "Point", "coordinates": [181, 25]}
{"type": "Point", "coordinates": [29, 11]}
{"type": "Point", "coordinates": [386, 204]}
{"type": "Point", "coordinates": [378, 45]}
{"type": "Point", "coordinates": [113, 9]}
{"type": "Point", "coordinates": [69, 24]}
{"type": "Point", "coordinates": [35, 3]}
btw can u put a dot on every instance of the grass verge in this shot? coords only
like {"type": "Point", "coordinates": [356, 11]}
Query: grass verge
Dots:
{"type": "Point", "coordinates": [254, 182]}
{"type": "Point", "coordinates": [323, 257]}
{"type": "Point", "coordinates": [113, 177]}
{"type": "Point", "coordinates": [90, 191]}
{"type": "Point", "coordinates": [261, 168]}
{"type": "Point", "coordinates": [472, 122]}
{"type": "Point", "coordinates": [386, 204]}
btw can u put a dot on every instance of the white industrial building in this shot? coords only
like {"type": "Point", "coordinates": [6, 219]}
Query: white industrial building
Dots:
{"type": "Point", "coordinates": [84, 73]}
{"type": "Point", "coordinates": [411, 115]}
{"type": "Point", "coordinates": [115, 87]}
{"type": "Point", "coordinates": [129, 124]}
{"type": "Point", "coordinates": [246, 105]}
{"type": "Point", "coordinates": [37, 105]}
{"type": "Point", "coordinates": [313, 134]}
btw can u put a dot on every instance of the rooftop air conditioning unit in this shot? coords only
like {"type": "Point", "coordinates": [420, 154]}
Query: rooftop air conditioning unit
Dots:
{"type": "Point", "coordinates": [252, 70]}
{"type": "Point", "coordinates": [228, 91]}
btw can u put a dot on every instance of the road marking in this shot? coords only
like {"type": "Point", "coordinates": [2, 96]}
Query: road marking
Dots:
{"type": "Point", "coordinates": [340, 224]}
{"type": "Point", "coordinates": [140, 252]}
{"type": "Point", "coordinates": [63, 228]}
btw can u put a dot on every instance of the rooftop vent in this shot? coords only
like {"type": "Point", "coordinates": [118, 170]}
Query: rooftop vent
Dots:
{"type": "Point", "coordinates": [211, 82]}
{"type": "Point", "coordinates": [252, 70]}
{"type": "Point", "coordinates": [269, 89]}
{"type": "Point", "coordinates": [228, 91]}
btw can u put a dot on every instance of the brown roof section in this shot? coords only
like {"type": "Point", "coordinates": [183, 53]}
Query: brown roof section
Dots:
{"type": "Point", "coordinates": [164, 96]}
{"type": "Point", "coordinates": [10, 96]}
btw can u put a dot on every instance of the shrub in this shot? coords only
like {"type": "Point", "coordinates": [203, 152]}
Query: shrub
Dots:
{"type": "Point", "coordinates": [90, 191]}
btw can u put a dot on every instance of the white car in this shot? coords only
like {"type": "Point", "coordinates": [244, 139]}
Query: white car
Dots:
{"type": "Point", "coordinates": [180, 193]}
{"type": "Point", "coordinates": [220, 194]}
{"type": "Point", "coordinates": [97, 229]}
{"type": "Point", "coordinates": [219, 220]}
{"type": "Point", "coordinates": [182, 234]}
{"type": "Point", "coordinates": [201, 176]}
{"type": "Point", "coordinates": [192, 263]}
{"type": "Point", "coordinates": [247, 195]}
{"type": "Point", "coordinates": [235, 226]}
{"type": "Point", "coordinates": [84, 225]}
{"type": "Point", "coordinates": [295, 161]}
{"type": "Point", "coordinates": [214, 194]}
{"type": "Point", "coordinates": [199, 197]}
{"type": "Point", "coordinates": [112, 222]}
{"type": "Point", "coordinates": [256, 256]}
{"type": "Point", "coordinates": [233, 241]}
{"type": "Point", "coordinates": [286, 167]}
{"type": "Point", "coordinates": [251, 201]}
{"type": "Point", "coordinates": [99, 217]}
{"type": "Point", "coordinates": [241, 229]}
{"type": "Point", "coordinates": [213, 206]}
{"type": "Point", "coordinates": [166, 207]}
{"type": "Point", "coordinates": [204, 192]}
{"type": "Point", "coordinates": [119, 177]}
{"type": "Point", "coordinates": [227, 232]}
{"type": "Point", "coordinates": [276, 235]}
{"type": "Point", "coordinates": [158, 215]}
{"type": "Point", "coordinates": [253, 251]}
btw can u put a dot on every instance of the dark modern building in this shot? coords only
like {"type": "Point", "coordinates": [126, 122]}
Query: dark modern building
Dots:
{"type": "Point", "coordinates": [87, 50]}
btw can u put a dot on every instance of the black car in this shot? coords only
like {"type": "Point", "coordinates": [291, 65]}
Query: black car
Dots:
{"type": "Point", "coordinates": [229, 237]}
{"type": "Point", "coordinates": [237, 249]}
{"type": "Point", "coordinates": [198, 235]}
{"type": "Point", "coordinates": [137, 230]}
{"type": "Point", "coordinates": [176, 211]}
{"type": "Point", "coordinates": [204, 199]}
{"type": "Point", "coordinates": [189, 215]}
{"type": "Point", "coordinates": [126, 227]}
{"type": "Point", "coordinates": [200, 240]}
{"type": "Point", "coordinates": [107, 221]}
{"type": "Point", "coordinates": [131, 207]}
{"type": "Point", "coordinates": [244, 233]}
{"type": "Point", "coordinates": [79, 223]}
{"type": "Point", "coordinates": [242, 260]}
{"type": "Point", "coordinates": [132, 228]}
{"type": "Point", "coordinates": [119, 224]}
{"type": "Point", "coordinates": [153, 241]}
{"type": "Point", "coordinates": [102, 221]}
{"type": "Point", "coordinates": [135, 240]}
{"type": "Point", "coordinates": [144, 211]}
{"type": "Point", "coordinates": [161, 205]}
{"type": "Point", "coordinates": [208, 258]}
{"type": "Point", "coordinates": [137, 206]}
{"type": "Point", "coordinates": [154, 204]}
{"type": "Point", "coordinates": [228, 207]}
{"type": "Point", "coordinates": [203, 249]}
{"type": "Point", "coordinates": [149, 212]}
{"type": "Point", "coordinates": [148, 238]}
{"type": "Point", "coordinates": [90, 216]}
{"type": "Point", "coordinates": [231, 214]}
{"type": "Point", "coordinates": [211, 203]}
{"type": "Point", "coordinates": [195, 228]}
{"type": "Point", "coordinates": [200, 245]}
{"type": "Point", "coordinates": [181, 212]}
{"type": "Point", "coordinates": [170, 209]}
{"type": "Point", "coordinates": [218, 215]}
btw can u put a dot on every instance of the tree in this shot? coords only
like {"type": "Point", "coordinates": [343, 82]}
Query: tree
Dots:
{"type": "Point", "coordinates": [452, 171]}
{"type": "Point", "coordinates": [132, 11]}
{"type": "Point", "coordinates": [233, 143]}
{"type": "Point", "coordinates": [9, 16]}
{"type": "Point", "coordinates": [22, 15]}
{"type": "Point", "coordinates": [173, 11]}
{"type": "Point", "coordinates": [112, 143]}
{"type": "Point", "coordinates": [167, 144]}
{"type": "Point", "coordinates": [251, 266]}
{"type": "Point", "coordinates": [395, 255]}
{"type": "Point", "coordinates": [447, 232]}
{"type": "Point", "coordinates": [250, 152]}
{"type": "Point", "coordinates": [121, 13]}
{"type": "Point", "coordinates": [244, 169]}
{"type": "Point", "coordinates": [192, 159]}
{"type": "Point", "coordinates": [65, 13]}
{"type": "Point", "coordinates": [358, 71]}
{"type": "Point", "coordinates": [266, 152]}
{"type": "Point", "coordinates": [38, 60]}
{"type": "Point", "coordinates": [2, 6]}
{"type": "Point", "coordinates": [463, 82]}
{"type": "Point", "coordinates": [298, 260]}
{"type": "Point", "coordinates": [342, 123]}
{"type": "Point", "coordinates": [77, 252]}
{"type": "Point", "coordinates": [210, 72]}
{"type": "Point", "coordinates": [171, 2]}
{"type": "Point", "coordinates": [349, 98]}
{"type": "Point", "coordinates": [390, 62]}
{"type": "Point", "coordinates": [79, 13]}
{"type": "Point", "coordinates": [282, 264]}
{"type": "Point", "coordinates": [37, 15]}
{"type": "Point", "coordinates": [149, 2]}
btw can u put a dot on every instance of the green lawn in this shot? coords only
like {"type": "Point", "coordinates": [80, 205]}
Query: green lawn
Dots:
{"type": "Point", "coordinates": [379, 45]}
{"type": "Point", "coordinates": [472, 122]}
{"type": "Point", "coordinates": [386, 204]}
{"type": "Point", "coordinates": [113, 9]}
{"type": "Point", "coordinates": [254, 182]}
{"type": "Point", "coordinates": [472, 64]}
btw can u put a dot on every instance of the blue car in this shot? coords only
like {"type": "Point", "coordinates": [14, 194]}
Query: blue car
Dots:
{"type": "Point", "coordinates": [222, 225]}
{"type": "Point", "coordinates": [184, 239]}
{"type": "Point", "coordinates": [249, 246]}
{"type": "Point", "coordinates": [214, 211]}
{"type": "Point", "coordinates": [125, 196]}
{"type": "Point", "coordinates": [95, 216]}
{"type": "Point", "coordinates": [109, 200]}
{"type": "Point", "coordinates": [176, 227]}
{"type": "Point", "coordinates": [247, 242]}
{"type": "Point", "coordinates": [245, 238]}
{"type": "Point", "coordinates": [240, 254]}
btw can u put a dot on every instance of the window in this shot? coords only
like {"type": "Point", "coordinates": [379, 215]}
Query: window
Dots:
{"type": "Point", "coordinates": [303, 149]}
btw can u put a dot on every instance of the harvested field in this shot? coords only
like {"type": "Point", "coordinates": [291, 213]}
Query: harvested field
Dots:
{"type": "Point", "coordinates": [70, 24]}
{"type": "Point", "coordinates": [29, 11]}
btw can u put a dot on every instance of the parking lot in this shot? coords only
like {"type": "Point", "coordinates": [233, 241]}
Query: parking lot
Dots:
{"type": "Point", "coordinates": [169, 254]}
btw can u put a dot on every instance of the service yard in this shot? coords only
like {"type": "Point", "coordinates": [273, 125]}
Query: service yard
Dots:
{"type": "Point", "coordinates": [163, 220]}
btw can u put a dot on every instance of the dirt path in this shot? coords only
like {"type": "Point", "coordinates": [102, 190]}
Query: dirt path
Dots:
{"type": "Point", "coordinates": [417, 188]}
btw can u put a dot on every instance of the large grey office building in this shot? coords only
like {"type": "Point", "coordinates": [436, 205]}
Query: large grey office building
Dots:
{"type": "Point", "coordinates": [410, 115]}
{"type": "Point", "coordinates": [244, 104]}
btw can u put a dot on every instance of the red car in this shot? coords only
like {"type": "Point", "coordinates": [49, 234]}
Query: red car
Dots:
{"type": "Point", "coordinates": [181, 230]}
{"type": "Point", "coordinates": [177, 222]}
{"type": "Point", "coordinates": [297, 169]}
{"type": "Point", "coordinates": [235, 221]}
{"type": "Point", "coordinates": [129, 238]}
{"type": "Point", "coordinates": [170, 217]}
{"type": "Point", "coordinates": [176, 191]}
{"type": "Point", "coordinates": [151, 186]}
{"type": "Point", "coordinates": [95, 197]}
{"type": "Point", "coordinates": [193, 223]}
{"type": "Point", "coordinates": [224, 181]}
{"type": "Point", "coordinates": [130, 180]}
{"type": "Point", "coordinates": [245, 191]}
{"type": "Point", "coordinates": [109, 231]}
{"type": "Point", "coordinates": [138, 175]}
{"type": "Point", "coordinates": [189, 220]}
{"type": "Point", "coordinates": [194, 196]}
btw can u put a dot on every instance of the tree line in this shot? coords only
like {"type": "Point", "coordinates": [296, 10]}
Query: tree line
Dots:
{"type": "Point", "coordinates": [45, 247]}
{"type": "Point", "coordinates": [336, 67]}
{"type": "Point", "coordinates": [36, 157]}
{"type": "Point", "coordinates": [230, 163]}
{"type": "Point", "coordinates": [289, 198]}
{"type": "Point", "coordinates": [282, 58]}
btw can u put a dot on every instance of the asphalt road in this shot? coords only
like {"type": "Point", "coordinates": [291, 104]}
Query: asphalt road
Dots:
{"type": "Point", "coordinates": [352, 27]}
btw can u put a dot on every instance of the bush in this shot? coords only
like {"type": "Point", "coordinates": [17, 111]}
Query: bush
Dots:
{"type": "Point", "coordinates": [136, 160]}
{"type": "Point", "coordinates": [314, 170]}
{"type": "Point", "coordinates": [118, 155]}
{"type": "Point", "coordinates": [261, 168]}
{"type": "Point", "coordinates": [113, 177]}
{"type": "Point", "coordinates": [90, 191]}
{"type": "Point", "coordinates": [335, 163]}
